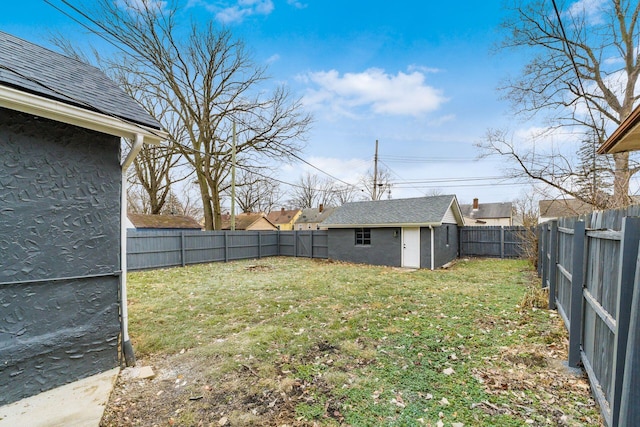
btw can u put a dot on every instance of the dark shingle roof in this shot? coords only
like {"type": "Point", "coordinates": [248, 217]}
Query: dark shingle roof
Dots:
{"type": "Point", "coordinates": [488, 210]}
{"type": "Point", "coordinates": [34, 69]}
{"type": "Point", "coordinates": [417, 211]}
{"type": "Point", "coordinates": [163, 221]}
{"type": "Point", "coordinates": [563, 207]}
{"type": "Point", "coordinates": [313, 215]}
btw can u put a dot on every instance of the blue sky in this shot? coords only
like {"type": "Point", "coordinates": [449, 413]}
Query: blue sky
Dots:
{"type": "Point", "coordinates": [418, 76]}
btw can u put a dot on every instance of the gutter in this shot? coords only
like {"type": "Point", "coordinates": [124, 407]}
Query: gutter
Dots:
{"type": "Point", "coordinates": [127, 348]}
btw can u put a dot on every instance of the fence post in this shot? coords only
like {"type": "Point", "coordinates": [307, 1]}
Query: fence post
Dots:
{"type": "Point", "coordinates": [311, 245]}
{"type": "Point", "coordinates": [259, 245]}
{"type": "Point", "coordinates": [630, 395]}
{"type": "Point", "coordinates": [540, 248]}
{"type": "Point", "coordinates": [577, 283]}
{"type": "Point", "coordinates": [626, 278]}
{"type": "Point", "coordinates": [182, 249]}
{"type": "Point", "coordinates": [553, 261]}
{"type": "Point", "coordinates": [295, 243]}
{"type": "Point", "coordinates": [226, 246]}
{"type": "Point", "coordinates": [545, 252]}
{"type": "Point", "coordinates": [502, 242]}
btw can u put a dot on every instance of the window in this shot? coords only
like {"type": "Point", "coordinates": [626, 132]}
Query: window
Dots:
{"type": "Point", "coordinates": [363, 236]}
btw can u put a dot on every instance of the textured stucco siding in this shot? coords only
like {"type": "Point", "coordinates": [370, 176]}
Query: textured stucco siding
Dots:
{"type": "Point", "coordinates": [59, 219]}
{"type": "Point", "coordinates": [385, 248]}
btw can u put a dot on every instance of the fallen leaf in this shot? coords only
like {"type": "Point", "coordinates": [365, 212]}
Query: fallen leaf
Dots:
{"type": "Point", "coordinates": [448, 371]}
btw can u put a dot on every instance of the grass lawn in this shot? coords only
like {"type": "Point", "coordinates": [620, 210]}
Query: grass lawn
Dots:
{"type": "Point", "coordinates": [299, 342]}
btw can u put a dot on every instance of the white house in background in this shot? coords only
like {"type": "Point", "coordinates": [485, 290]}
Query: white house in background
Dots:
{"type": "Point", "coordinates": [487, 214]}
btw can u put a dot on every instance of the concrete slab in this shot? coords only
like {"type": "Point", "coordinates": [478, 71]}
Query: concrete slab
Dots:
{"type": "Point", "coordinates": [79, 404]}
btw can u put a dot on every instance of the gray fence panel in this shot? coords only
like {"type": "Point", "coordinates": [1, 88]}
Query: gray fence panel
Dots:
{"type": "Point", "coordinates": [492, 241]}
{"type": "Point", "coordinates": [596, 273]}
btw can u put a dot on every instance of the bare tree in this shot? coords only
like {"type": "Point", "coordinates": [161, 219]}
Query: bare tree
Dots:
{"type": "Point", "coordinates": [347, 193]}
{"type": "Point", "coordinates": [208, 81]}
{"type": "Point", "coordinates": [312, 191]}
{"type": "Point", "coordinates": [584, 70]}
{"type": "Point", "coordinates": [256, 192]}
{"type": "Point", "coordinates": [383, 184]}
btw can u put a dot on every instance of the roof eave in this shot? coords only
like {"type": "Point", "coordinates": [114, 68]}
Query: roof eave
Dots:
{"type": "Point", "coordinates": [422, 224]}
{"type": "Point", "coordinates": [65, 113]}
{"type": "Point", "coordinates": [626, 137]}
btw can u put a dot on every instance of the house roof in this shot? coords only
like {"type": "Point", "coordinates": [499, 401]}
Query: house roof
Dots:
{"type": "Point", "coordinates": [283, 216]}
{"type": "Point", "coordinates": [314, 216]}
{"type": "Point", "coordinates": [163, 221]}
{"type": "Point", "coordinates": [488, 210]}
{"type": "Point", "coordinates": [626, 137]}
{"type": "Point", "coordinates": [244, 221]}
{"type": "Point", "coordinates": [558, 208]}
{"type": "Point", "coordinates": [421, 211]}
{"type": "Point", "coordinates": [36, 80]}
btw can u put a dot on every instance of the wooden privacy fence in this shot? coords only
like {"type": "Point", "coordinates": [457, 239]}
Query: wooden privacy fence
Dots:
{"type": "Point", "coordinates": [158, 249]}
{"type": "Point", "coordinates": [590, 265]}
{"type": "Point", "coordinates": [493, 241]}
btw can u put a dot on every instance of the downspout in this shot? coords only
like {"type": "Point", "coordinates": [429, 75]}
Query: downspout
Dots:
{"type": "Point", "coordinates": [433, 255]}
{"type": "Point", "coordinates": [127, 348]}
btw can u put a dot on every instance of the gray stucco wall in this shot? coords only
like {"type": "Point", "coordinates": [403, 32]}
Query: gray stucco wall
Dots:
{"type": "Point", "coordinates": [59, 246]}
{"type": "Point", "coordinates": [445, 248]}
{"type": "Point", "coordinates": [384, 249]}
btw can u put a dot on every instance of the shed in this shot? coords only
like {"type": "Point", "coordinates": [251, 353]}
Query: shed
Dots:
{"type": "Point", "coordinates": [62, 204]}
{"type": "Point", "coordinates": [416, 233]}
{"type": "Point", "coordinates": [162, 222]}
{"type": "Point", "coordinates": [558, 208]}
{"type": "Point", "coordinates": [488, 214]}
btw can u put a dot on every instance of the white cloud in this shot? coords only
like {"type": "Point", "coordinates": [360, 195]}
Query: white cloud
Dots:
{"type": "Point", "coordinates": [297, 4]}
{"type": "Point", "coordinates": [242, 9]}
{"type": "Point", "coordinates": [380, 92]}
{"type": "Point", "coordinates": [273, 58]}
{"type": "Point", "coordinates": [591, 9]}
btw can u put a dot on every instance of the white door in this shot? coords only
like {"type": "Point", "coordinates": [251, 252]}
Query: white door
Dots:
{"type": "Point", "coordinates": [411, 247]}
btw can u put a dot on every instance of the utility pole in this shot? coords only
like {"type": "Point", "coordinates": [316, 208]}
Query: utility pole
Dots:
{"type": "Point", "coordinates": [233, 179]}
{"type": "Point", "coordinates": [375, 173]}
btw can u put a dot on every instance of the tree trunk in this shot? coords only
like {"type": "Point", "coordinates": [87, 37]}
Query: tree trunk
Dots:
{"type": "Point", "coordinates": [621, 179]}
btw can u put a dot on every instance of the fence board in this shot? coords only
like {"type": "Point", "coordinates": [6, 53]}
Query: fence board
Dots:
{"type": "Point", "coordinates": [597, 271]}
{"type": "Point", "coordinates": [492, 241]}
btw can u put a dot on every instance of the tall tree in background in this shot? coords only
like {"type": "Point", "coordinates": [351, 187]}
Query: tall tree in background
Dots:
{"type": "Point", "coordinates": [208, 81]}
{"type": "Point", "coordinates": [382, 184]}
{"type": "Point", "coordinates": [256, 192]}
{"type": "Point", "coordinates": [602, 38]}
{"type": "Point", "coordinates": [312, 191]}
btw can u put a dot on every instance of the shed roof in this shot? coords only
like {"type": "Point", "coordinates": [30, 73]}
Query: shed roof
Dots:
{"type": "Point", "coordinates": [422, 211]}
{"type": "Point", "coordinates": [488, 210]}
{"type": "Point", "coordinates": [163, 221]}
{"type": "Point", "coordinates": [36, 80]}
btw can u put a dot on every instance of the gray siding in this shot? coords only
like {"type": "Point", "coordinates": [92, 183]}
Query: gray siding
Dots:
{"type": "Point", "coordinates": [385, 246]}
{"type": "Point", "coordinates": [59, 239]}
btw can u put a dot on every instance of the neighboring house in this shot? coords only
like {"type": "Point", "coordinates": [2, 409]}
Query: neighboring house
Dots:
{"type": "Point", "coordinates": [284, 218]}
{"type": "Point", "coordinates": [247, 222]}
{"type": "Point", "coordinates": [415, 233]}
{"type": "Point", "coordinates": [63, 309]}
{"type": "Point", "coordinates": [487, 214]}
{"type": "Point", "coordinates": [312, 218]}
{"type": "Point", "coordinates": [162, 222]}
{"type": "Point", "coordinates": [558, 208]}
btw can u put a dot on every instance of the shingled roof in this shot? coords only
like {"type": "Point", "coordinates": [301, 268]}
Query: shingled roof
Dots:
{"type": "Point", "coordinates": [488, 210]}
{"type": "Point", "coordinates": [35, 70]}
{"type": "Point", "coordinates": [415, 212]}
{"type": "Point", "coordinates": [174, 222]}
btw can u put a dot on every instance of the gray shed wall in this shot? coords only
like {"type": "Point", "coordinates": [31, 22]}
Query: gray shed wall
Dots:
{"type": "Point", "coordinates": [446, 249]}
{"type": "Point", "coordinates": [59, 241]}
{"type": "Point", "coordinates": [384, 249]}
